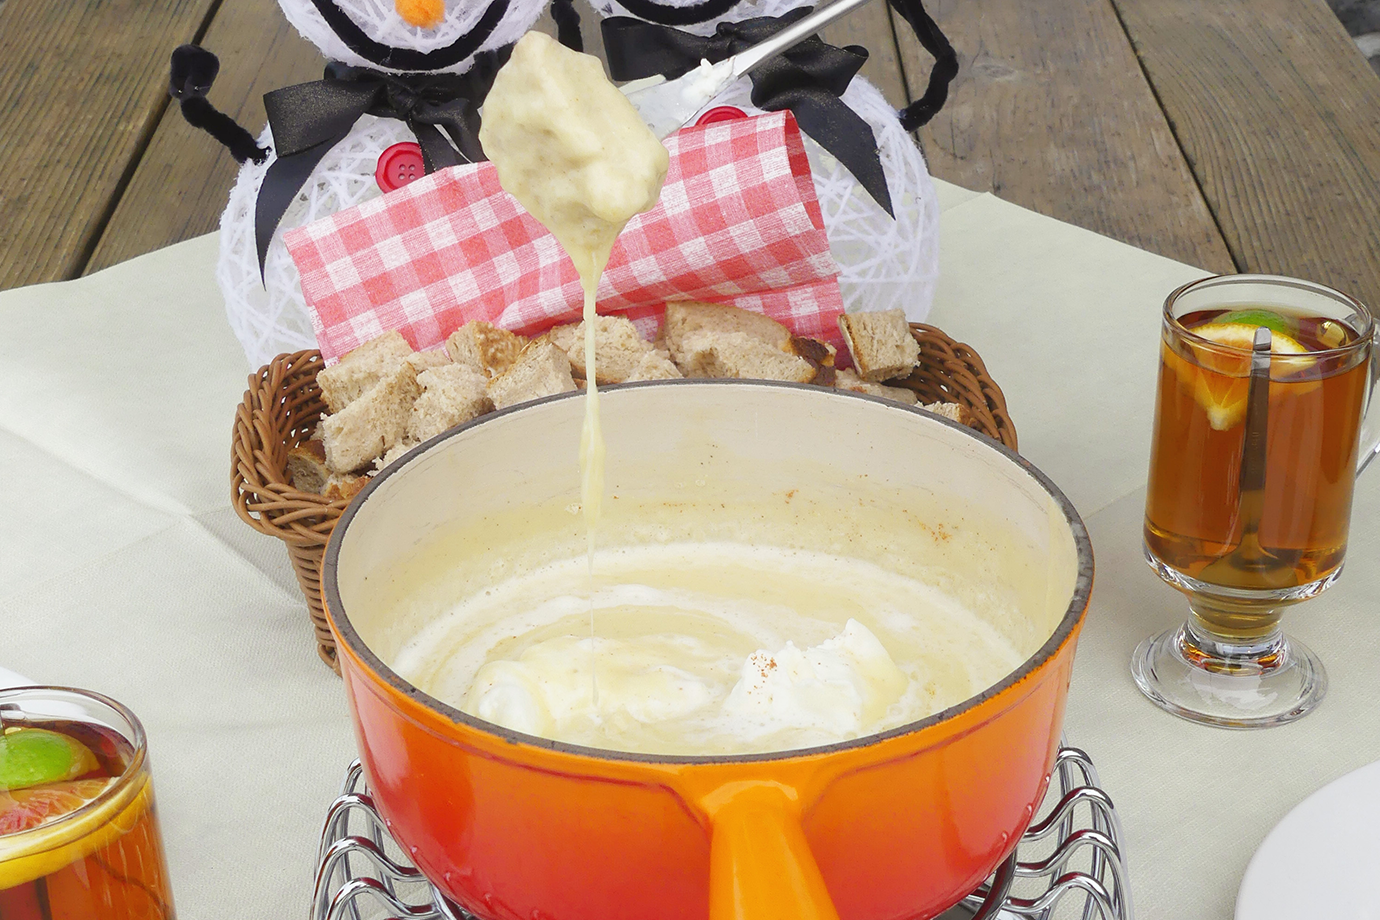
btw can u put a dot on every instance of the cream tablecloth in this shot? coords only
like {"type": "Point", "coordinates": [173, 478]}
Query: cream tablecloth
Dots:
{"type": "Point", "coordinates": [124, 569]}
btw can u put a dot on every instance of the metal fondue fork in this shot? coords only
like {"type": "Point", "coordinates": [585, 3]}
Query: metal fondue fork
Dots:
{"type": "Point", "coordinates": [666, 105]}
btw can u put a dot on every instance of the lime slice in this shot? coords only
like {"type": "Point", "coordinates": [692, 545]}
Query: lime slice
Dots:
{"type": "Point", "coordinates": [1275, 322]}
{"type": "Point", "coordinates": [1220, 378]}
{"type": "Point", "coordinates": [34, 756]}
{"type": "Point", "coordinates": [26, 809]}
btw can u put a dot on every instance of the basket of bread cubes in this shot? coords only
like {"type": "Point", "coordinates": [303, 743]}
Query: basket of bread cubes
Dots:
{"type": "Point", "coordinates": [308, 437]}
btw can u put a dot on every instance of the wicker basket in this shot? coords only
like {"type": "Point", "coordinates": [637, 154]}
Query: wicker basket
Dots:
{"type": "Point", "coordinates": [283, 403]}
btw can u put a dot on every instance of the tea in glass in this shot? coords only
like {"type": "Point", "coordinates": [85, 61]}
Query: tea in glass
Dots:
{"type": "Point", "coordinates": [1315, 401]}
{"type": "Point", "coordinates": [79, 836]}
{"type": "Point", "coordinates": [1263, 385]}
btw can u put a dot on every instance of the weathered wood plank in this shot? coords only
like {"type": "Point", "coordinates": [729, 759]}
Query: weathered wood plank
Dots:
{"type": "Point", "coordinates": [81, 87]}
{"type": "Point", "coordinates": [1050, 111]}
{"type": "Point", "coordinates": [1279, 115]}
{"type": "Point", "coordinates": [181, 183]}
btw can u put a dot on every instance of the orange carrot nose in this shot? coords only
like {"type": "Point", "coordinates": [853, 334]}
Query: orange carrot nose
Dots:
{"type": "Point", "coordinates": [425, 14]}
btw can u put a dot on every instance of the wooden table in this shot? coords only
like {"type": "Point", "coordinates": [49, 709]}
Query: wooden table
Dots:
{"type": "Point", "coordinates": [1234, 135]}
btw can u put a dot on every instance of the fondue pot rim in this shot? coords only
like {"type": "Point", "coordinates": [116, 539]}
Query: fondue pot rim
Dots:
{"type": "Point", "coordinates": [348, 637]}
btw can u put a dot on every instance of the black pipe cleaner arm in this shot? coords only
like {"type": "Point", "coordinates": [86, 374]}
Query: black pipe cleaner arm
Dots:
{"type": "Point", "coordinates": [567, 24]}
{"type": "Point", "coordinates": [945, 69]}
{"type": "Point", "coordinates": [192, 72]}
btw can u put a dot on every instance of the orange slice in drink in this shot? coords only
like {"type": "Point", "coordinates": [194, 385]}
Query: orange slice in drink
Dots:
{"type": "Point", "coordinates": [1219, 377]}
{"type": "Point", "coordinates": [26, 809]}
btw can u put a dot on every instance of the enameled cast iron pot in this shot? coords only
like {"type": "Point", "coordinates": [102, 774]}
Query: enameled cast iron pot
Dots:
{"type": "Point", "coordinates": [896, 825]}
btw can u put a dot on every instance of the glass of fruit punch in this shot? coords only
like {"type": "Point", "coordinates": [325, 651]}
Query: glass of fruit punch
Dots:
{"type": "Point", "coordinates": [1263, 387]}
{"type": "Point", "coordinates": [79, 836]}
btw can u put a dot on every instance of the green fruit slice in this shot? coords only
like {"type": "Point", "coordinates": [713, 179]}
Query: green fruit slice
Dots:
{"type": "Point", "coordinates": [1275, 322]}
{"type": "Point", "coordinates": [34, 756]}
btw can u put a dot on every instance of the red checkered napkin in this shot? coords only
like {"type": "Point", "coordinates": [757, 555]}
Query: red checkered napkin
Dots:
{"type": "Point", "coordinates": [738, 223]}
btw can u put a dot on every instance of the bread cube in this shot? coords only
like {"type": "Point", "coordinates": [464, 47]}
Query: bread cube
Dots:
{"type": "Point", "coordinates": [654, 365]}
{"type": "Point", "coordinates": [484, 347]}
{"type": "Point", "coordinates": [739, 354]}
{"type": "Point", "coordinates": [361, 369]}
{"type": "Point", "coordinates": [426, 360]}
{"type": "Point", "coordinates": [956, 412]}
{"type": "Point", "coordinates": [881, 344]}
{"type": "Point", "coordinates": [541, 369]}
{"type": "Point", "coordinates": [451, 394]}
{"type": "Point", "coordinates": [692, 319]}
{"type": "Point", "coordinates": [306, 467]}
{"type": "Point", "coordinates": [849, 380]}
{"type": "Point", "coordinates": [371, 424]}
{"type": "Point", "coordinates": [618, 348]}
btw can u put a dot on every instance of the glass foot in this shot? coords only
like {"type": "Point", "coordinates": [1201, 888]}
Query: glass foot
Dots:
{"type": "Point", "coordinates": [1213, 684]}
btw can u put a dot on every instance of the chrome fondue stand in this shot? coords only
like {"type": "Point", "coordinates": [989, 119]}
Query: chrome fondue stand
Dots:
{"type": "Point", "coordinates": [1072, 853]}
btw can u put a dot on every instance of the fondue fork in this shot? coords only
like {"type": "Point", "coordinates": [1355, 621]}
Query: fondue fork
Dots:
{"type": "Point", "coordinates": [667, 105]}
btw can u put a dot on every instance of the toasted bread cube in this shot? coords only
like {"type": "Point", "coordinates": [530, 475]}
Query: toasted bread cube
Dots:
{"type": "Point", "coordinates": [956, 412]}
{"type": "Point", "coordinates": [738, 354]}
{"type": "Point", "coordinates": [451, 395]}
{"type": "Point", "coordinates": [484, 347]}
{"type": "Point", "coordinates": [306, 467]}
{"type": "Point", "coordinates": [819, 354]}
{"type": "Point", "coordinates": [346, 486]}
{"type": "Point", "coordinates": [371, 424]}
{"type": "Point", "coordinates": [361, 369]}
{"type": "Point", "coordinates": [541, 370]}
{"type": "Point", "coordinates": [848, 380]}
{"type": "Point", "coordinates": [881, 344]}
{"type": "Point", "coordinates": [690, 319]}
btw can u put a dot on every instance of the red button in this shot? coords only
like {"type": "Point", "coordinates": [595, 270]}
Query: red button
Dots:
{"type": "Point", "coordinates": [720, 113]}
{"type": "Point", "coordinates": [399, 165]}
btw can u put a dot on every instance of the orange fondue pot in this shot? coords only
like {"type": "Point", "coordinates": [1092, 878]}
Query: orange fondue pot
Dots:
{"type": "Point", "coordinates": [899, 824]}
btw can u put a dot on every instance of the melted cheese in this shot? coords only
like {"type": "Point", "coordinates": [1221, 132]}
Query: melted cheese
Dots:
{"type": "Point", "coordinates": [574, 152]}
{"type": "Point", "coordinates": [706, 648]}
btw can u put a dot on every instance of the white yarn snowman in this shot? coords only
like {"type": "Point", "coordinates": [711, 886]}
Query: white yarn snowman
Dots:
{"type": "Point", "coordinates": [885, 262]}
{"type": "Point", "coordinates": [268, 314]}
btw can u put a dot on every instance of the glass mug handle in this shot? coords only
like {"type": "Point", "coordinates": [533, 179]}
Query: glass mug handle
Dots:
{"type": "Point", "coordinates": [1370, 421]}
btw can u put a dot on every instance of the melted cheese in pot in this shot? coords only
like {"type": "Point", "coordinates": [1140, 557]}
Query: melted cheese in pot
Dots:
{"type": "Point", "coordinates": [707, 648]}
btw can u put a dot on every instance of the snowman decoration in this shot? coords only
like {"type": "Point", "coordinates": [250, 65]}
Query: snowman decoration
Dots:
{"type": "Point", "coordinates": [399, 98]}
{"type": "Point", "coordinates": [876, 195]}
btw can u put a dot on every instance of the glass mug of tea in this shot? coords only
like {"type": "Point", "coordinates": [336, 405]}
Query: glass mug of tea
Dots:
{"type": "Point", "coordinates": [1263, 387]}
{"type": "Point", "coordinates": [79, 836]}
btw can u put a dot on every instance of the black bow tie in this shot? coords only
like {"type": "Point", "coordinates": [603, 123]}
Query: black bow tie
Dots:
{"type": "Point", "coordinates": [807, 79]}
{"type": "Point", "coordinates": [310, 118]}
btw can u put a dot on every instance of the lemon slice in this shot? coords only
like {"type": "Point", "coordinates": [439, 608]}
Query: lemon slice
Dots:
{"type": "Point", "coordinates": [1219, 378]}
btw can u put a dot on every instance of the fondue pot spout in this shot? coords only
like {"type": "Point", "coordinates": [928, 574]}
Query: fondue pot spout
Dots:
{"type": "Point", "coordinates": [904, 822]}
